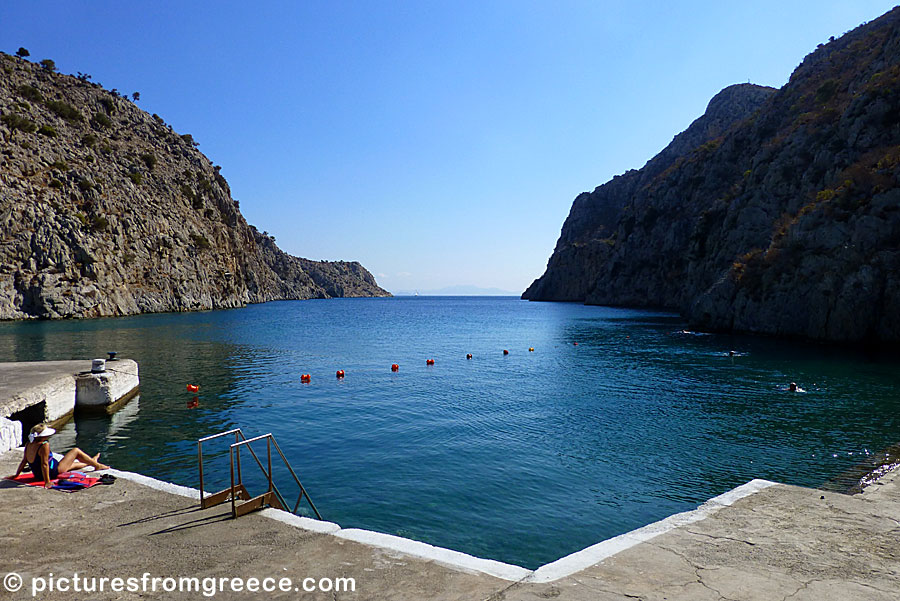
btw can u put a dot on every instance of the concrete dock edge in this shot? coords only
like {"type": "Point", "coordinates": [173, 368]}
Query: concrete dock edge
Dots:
{"type": "Point", "coordinates": [556, 570]}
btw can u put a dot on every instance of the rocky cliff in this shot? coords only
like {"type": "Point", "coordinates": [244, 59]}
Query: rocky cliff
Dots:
{"type": "Point", "coordinates": [777, 212]}
{"type": "Point", "coordinates": [105, 210]}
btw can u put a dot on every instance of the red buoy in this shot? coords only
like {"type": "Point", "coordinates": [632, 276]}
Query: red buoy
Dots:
{"type": "Point", "coordinates": [395, 367]}
{"type": "Point", "coordinates": [340, 373]}
{"type": "Point", "coordinates": [193, 388]}
{"type": "Point", "coordinates": [305, 378]}
{"type": "Point", "coordinates": [429, 362]}
{"type": "Point", "coordinates": [576, 344]}
{"type": "Point", "coordinates": [505, 352]}
{"type": "Point", "coordinates": [469, 356]}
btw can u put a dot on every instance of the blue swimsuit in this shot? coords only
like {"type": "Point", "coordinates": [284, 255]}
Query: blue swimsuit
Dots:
{"type": "Point", "coordinates": [37, 465]}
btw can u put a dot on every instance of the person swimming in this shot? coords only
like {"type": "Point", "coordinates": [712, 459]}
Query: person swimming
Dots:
{"type": "Point", "coordinates": [47, 465]}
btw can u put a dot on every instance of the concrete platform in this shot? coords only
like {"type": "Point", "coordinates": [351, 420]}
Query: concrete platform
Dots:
{"type": "Point", "coordinates": [777, 542]}
{"type": "Point", "coordinates": [49, 391]}
{"type": "Point", "coordinates": [24, 384]}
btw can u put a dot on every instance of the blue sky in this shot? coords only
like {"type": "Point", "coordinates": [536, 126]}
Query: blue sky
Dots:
{"type": "Point", "coordinates": [437, 143]}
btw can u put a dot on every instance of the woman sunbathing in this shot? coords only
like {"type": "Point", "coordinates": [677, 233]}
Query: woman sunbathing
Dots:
{"type": "Point", "coordinates": [49, 466]}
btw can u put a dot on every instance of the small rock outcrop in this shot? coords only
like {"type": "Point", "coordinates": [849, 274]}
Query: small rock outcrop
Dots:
{"type": "Point", "coordinates": [777, 212]}
{"type": "Point", "coordinates": [105, 210]}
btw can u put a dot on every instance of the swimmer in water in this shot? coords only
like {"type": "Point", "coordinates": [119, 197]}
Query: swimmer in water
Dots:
{"type": "Point", "coordinates": [793, 387]}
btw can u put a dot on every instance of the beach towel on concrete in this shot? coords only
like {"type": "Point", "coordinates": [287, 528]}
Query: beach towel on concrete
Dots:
{"type": "Point", "coordinates": [66, 482]}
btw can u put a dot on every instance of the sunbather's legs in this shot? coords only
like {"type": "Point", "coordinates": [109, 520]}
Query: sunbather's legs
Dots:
{"type": "Point", "coordinates": [77, 459]}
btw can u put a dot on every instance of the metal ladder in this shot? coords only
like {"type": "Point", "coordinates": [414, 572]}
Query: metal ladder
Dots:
{"type": "Point", "coordinates": [272, 497]}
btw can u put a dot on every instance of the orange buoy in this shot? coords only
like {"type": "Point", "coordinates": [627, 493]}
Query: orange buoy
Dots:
{"type": "Point", "coordinates": [395, 367]}
{"type": "Point", "coordinates": [530, 349]}
{"type": "Point", "coordinates": [469, 356]}
{"type": "Point", "coordinates": [193, 388]}
{"type": "Point", "coordinates": [305, 378]}
{"type": "Point", "coordinates": [340, 373]}
{"type": "Point", "coordinates": [429, 362]}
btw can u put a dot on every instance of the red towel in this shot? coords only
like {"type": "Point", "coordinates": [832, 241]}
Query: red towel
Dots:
{"type": "Point", "coordinates": [30, 480]}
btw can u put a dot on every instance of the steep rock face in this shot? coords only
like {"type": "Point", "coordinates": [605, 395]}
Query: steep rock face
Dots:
{"type": "Point", "coordinates": [590, 231]}
{"type": "Point", "coordinates": [104, 210]}
{"type": "Point", "coordinates": [786, 223]}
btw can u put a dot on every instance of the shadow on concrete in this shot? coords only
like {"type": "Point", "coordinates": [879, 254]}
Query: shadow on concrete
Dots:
{"type": "Point", "coordinates": [165, 514]}
{"type": "Point", "coordinates": [209, 520]}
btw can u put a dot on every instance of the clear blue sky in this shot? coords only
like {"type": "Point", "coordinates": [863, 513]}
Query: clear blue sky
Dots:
{"type": "Point", "coordinates": [438, 143]}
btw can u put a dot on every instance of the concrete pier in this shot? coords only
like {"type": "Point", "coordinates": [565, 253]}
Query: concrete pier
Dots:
{"type": "Point", "coordinates": [110, 388]}
{"type": "Point", "coordinates": [766, 541]}
{"type": "Point", "coordinates": [49, 391]}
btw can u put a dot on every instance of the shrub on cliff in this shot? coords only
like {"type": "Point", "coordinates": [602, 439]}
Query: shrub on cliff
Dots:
{"type": "Point", "coordinates": [64, 110]}
{"type": "Point", "coordinates": [30, 92]}
{"type": "Point", "coordinates": [22, 52]}
{"type": "Point", "coordinates": [18, 122]}
{"type": "Point", "coordinates": [48, 131]}
{"type": "Point", "coordinates": [101, 120]}
{"type": "Point", "coordinates": [149, 160]}
{"type": "Point", "coordinates": [200, 241]}
{"type": "Point", "coordinates": [48, 64]}
{"type": "Point", "coordinates": [99, 223]}
{"type": "Point", "coordinates": [108, 105]}
{"type": "Point", "coordinates": [205, 186]}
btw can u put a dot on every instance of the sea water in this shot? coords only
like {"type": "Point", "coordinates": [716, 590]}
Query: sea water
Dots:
{"type": "Point", "coordinates": [523, 457]}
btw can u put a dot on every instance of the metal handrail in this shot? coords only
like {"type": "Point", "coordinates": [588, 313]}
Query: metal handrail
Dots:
{"type": "Point", "coordinates": [235, 459]}
{"type": "Point", "coordinates": [297, 480]}
{"type": "Point", "coordinates": [237, 433]}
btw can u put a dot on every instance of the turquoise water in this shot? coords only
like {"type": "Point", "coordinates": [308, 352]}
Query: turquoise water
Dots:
{"type": "Point", "coordinates": [522, 458]}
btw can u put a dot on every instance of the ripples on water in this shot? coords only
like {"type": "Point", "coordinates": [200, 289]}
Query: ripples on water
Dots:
{"type": "Point", "coordinates": [522, 458]}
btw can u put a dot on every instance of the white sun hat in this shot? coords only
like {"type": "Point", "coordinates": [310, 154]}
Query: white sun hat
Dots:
{"type": "Point", "coordinates": [45, 433]}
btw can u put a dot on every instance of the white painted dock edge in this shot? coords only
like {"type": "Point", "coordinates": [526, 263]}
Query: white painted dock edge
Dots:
{"type": "Point", "coordinates": [10, 434]}
{"type": "Point", "coordinates": [565, 566]}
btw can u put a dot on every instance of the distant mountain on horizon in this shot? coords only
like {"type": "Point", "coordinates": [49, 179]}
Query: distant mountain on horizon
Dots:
{"type": "Point", "coordinates": [458, 290]}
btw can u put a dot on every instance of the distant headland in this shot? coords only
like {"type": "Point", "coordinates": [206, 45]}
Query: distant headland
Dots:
{"type": "Point", "coordinates": [105, 210]}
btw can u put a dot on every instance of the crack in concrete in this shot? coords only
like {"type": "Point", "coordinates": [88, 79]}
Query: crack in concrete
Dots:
{"type": "Point", "coordinates": [501, 594]}
{"type": "Point", "coordinates": [601, 589]}
{"type": "Point", "coordinates": [873, 587]}
{"type": "Point", "coordinates": [698, 578]}
{"type": "Point", "coordinates": [715, 537]}
{"type": "Point", "coordinates": [786, 597]}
